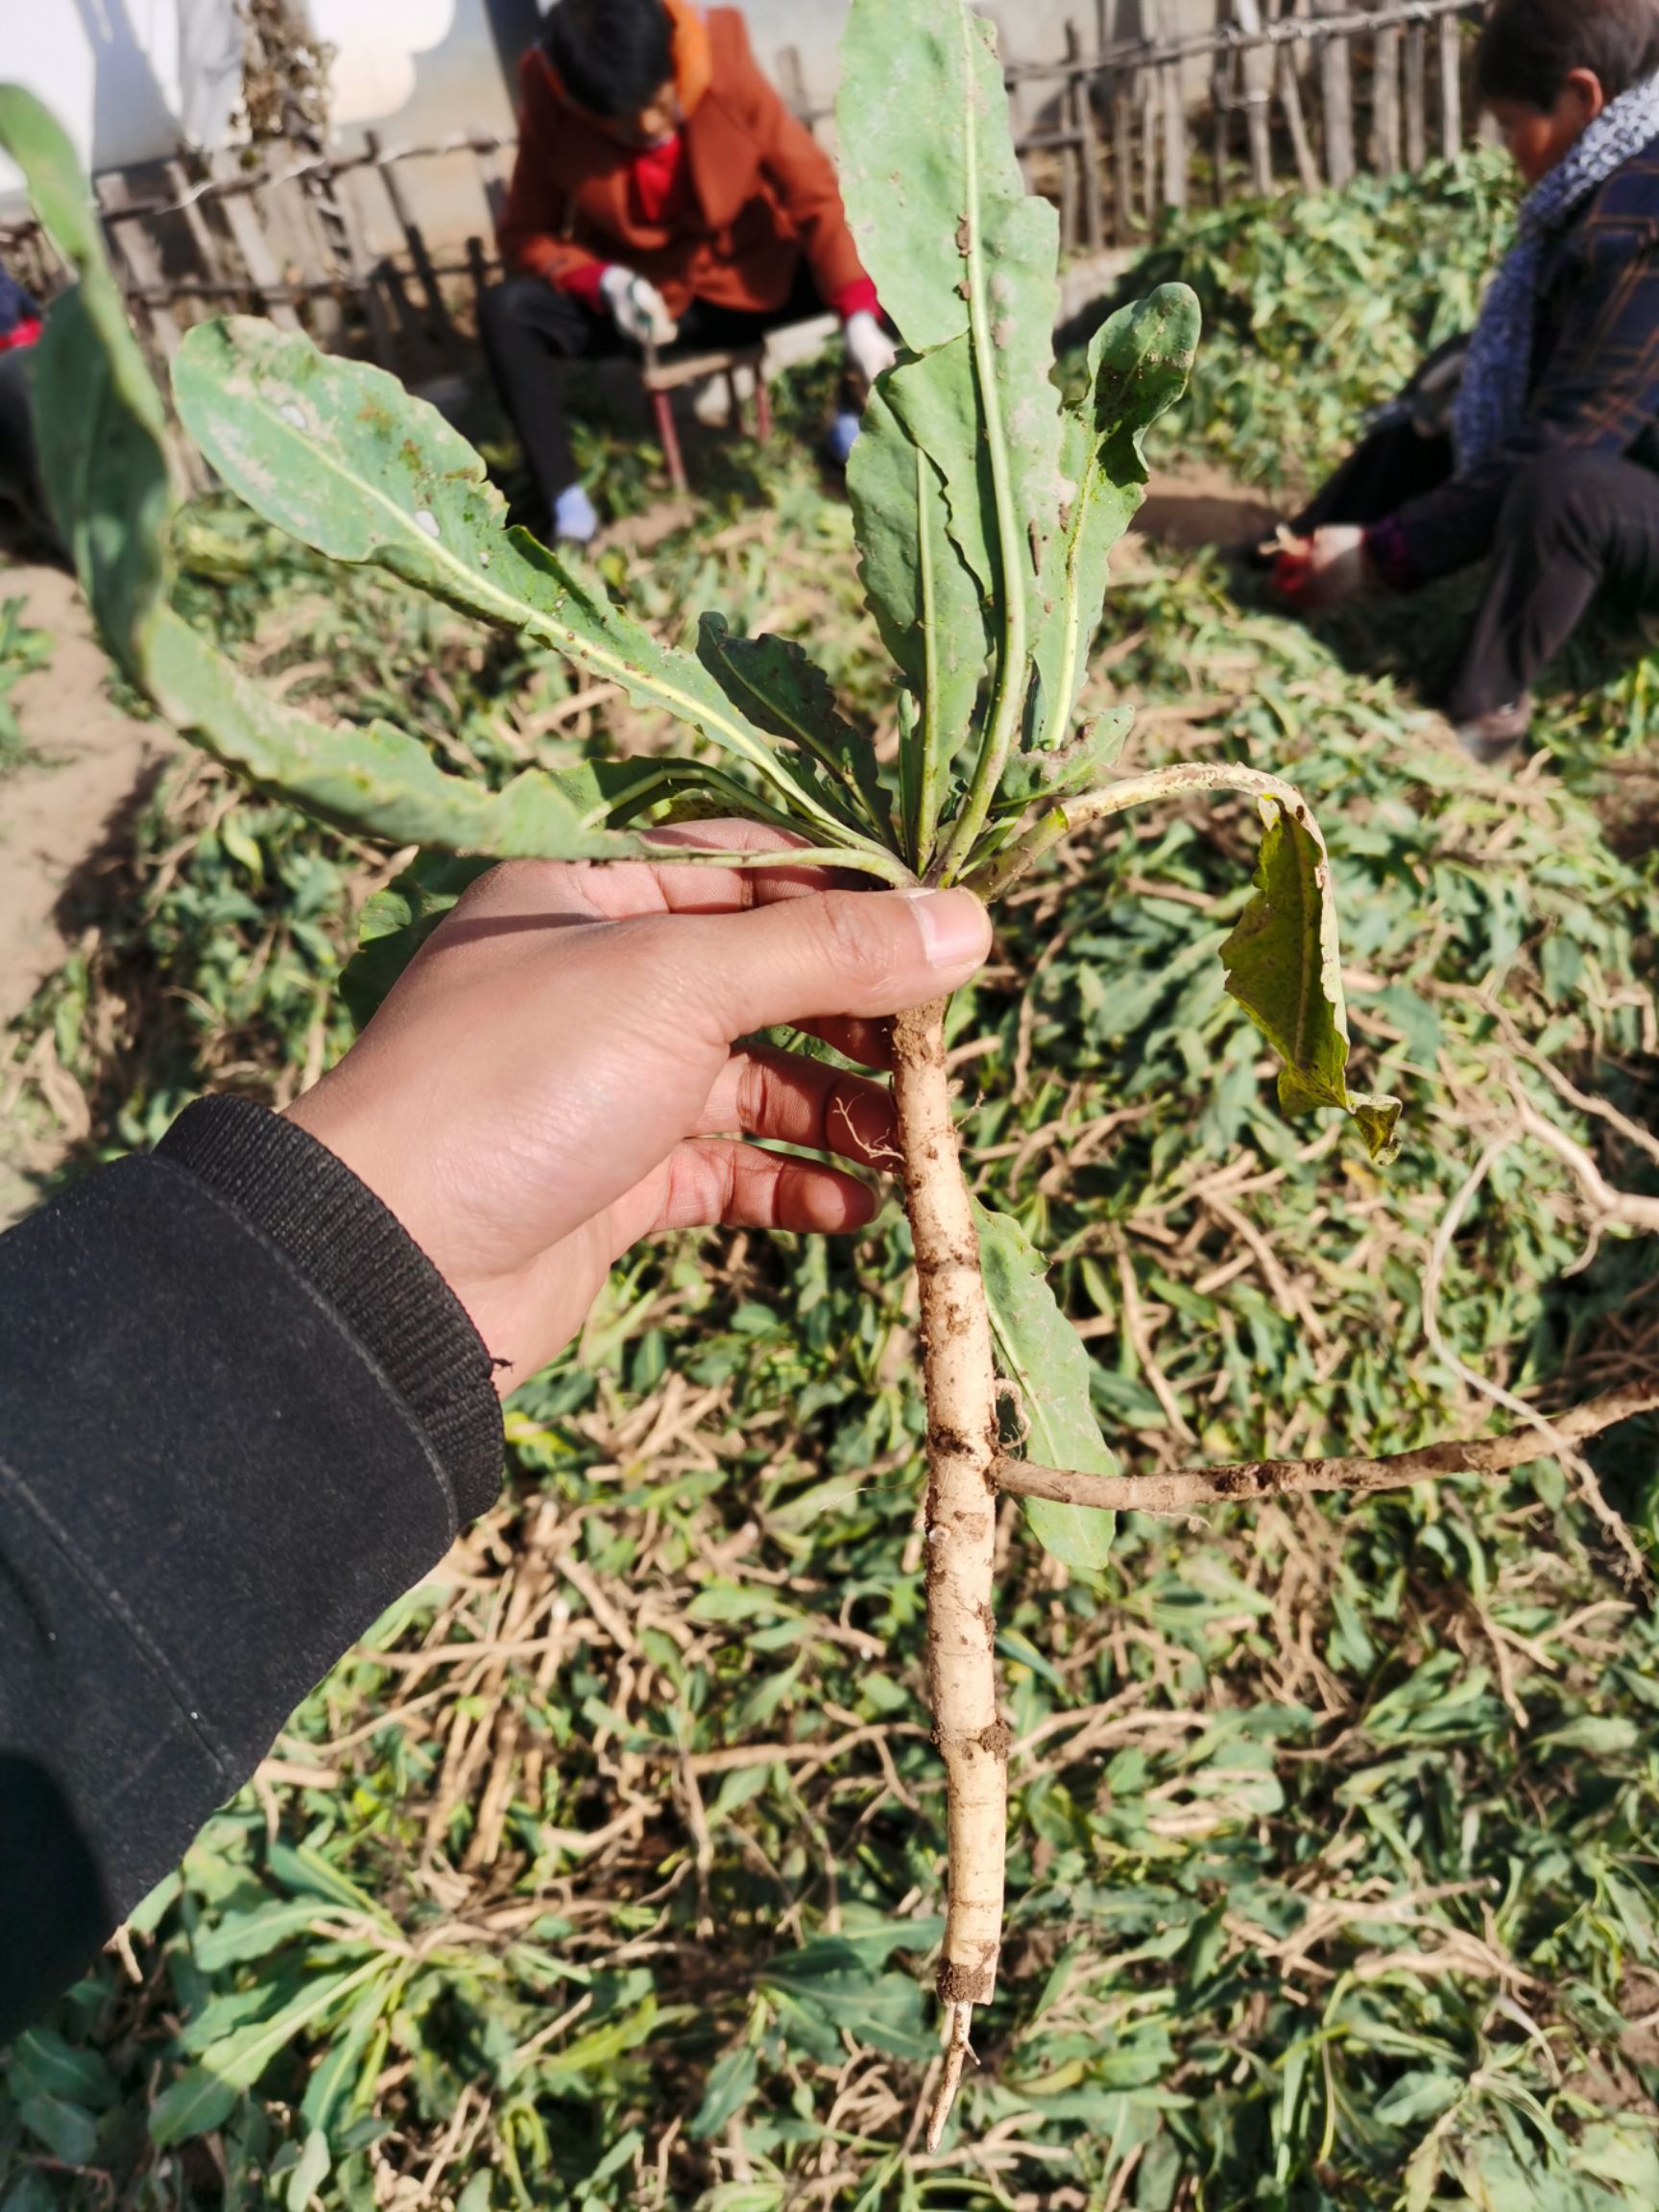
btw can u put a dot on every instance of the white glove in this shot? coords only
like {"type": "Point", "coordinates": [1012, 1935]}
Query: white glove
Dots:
{"type": "Point", "coordinates": [636, 307]}
{"type": "Point", "coordinates": [869, 348]}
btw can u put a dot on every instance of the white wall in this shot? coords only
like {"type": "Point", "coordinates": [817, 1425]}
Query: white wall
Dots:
{"type": "Point", "coordinates": [110, 70]}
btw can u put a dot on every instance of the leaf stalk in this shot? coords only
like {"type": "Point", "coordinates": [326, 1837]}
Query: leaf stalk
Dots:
{"type": "Point", "coordinates": [1009, 696]}
{"type": "Point", "coordinates": [1065, 816]}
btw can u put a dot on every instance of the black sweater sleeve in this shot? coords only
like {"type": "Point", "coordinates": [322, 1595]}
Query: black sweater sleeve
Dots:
{"type": "Point", "coordinates": [240, 1413]}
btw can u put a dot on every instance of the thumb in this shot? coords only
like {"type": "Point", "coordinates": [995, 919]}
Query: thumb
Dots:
{"type": "Point", "coordinates": [860, 952]}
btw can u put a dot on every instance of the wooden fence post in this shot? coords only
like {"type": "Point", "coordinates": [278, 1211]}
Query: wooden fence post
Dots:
{"type": "Point", "coordinates": [1416, 96]}
{"type": "Point", "coordinates": [1451, 87]}
{"type": "Point", "coordinates": [1386, 101]}
{"type": "Point", "coordinates": [1296, 120]}
{"type": "Point", "coordinates": [1082, 113]}
{"type": "Point", "coordinates": [436, 309]}
{"type": "Point", "coordinates": [1125, 220]}
{"type": "Point", "coordinates": [136, 251]}
{"type": "Point", "coordinates": [242, 218]}
{"type": "Point", "coordinates": [1175, 149]}
{"type": "Point", "coordinates": [1222, 101]}
{"type": "Point", "coordinates": [136, 256]}
{"type": "Point", "coordinates": [1336, 95]}
{"type": "Point", "coordinates": [1257, 96]}
{"type": "Point", "coordinates": [1150, 113]}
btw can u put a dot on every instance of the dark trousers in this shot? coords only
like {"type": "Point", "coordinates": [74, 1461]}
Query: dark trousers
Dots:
{"type": "Point", "coordinates": [1572, 524]}
{"type": "Point", "coordinates": [529, 330]}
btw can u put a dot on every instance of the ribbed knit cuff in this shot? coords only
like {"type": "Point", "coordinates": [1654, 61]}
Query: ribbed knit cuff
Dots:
{"type": "Point", "coordinates": [859, 298]}
{"type": "Point", "coordinates": [358, 1255]}
{"type": "Point", "coordinates": [585, 283]}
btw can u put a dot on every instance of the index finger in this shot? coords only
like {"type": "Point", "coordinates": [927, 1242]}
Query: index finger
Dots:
{"type": "Point", "coordinates": [556, 891]}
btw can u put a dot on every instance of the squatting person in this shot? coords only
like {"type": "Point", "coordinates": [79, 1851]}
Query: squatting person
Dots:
{"type": "Point", "coordinates": [663, 192]}
{"type": "Point", "coordinates": [1546, 456]}
{"type": "Point", "coordinates": [23, 519]}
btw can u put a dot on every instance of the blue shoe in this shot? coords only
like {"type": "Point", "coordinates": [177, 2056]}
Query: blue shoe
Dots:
{"type": "Point", "coordinates": [841, 438]}
{"type": "Point", "coordinates": [574, 522]}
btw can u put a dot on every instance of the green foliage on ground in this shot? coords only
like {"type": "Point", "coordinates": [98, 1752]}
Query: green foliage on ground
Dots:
{"type": "Point", "coordinates": [24, 647]}
{"type": "Point", "coordinates": [1315, 310]}
{"type": "Point", "coordinates": [604, 1874]}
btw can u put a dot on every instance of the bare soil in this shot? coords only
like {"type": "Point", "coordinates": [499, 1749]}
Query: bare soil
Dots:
{"type": "Point", "coordinates": [62, 815]}
{"type": "Point", "coordinates": [1196, 506]}
{"type": "Point", "coordinates": [89, 765]}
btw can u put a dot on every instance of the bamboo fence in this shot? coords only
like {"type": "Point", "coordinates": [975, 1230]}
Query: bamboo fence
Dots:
{"type": "Point", "coordinates": [1296, 94]}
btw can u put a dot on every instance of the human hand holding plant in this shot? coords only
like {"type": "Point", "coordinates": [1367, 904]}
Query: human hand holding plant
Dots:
{"type": "Point", "coordinates": [1326, 569]}
{"type": "Point", "coordinates": [869, 348]}
{"type": "Point", "coordinates": [552, 1078]}
{"type": "Point", "coordinates": [636, 307]}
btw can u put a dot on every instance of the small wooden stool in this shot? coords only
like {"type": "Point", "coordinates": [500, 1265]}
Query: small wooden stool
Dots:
{"type": "Point", "coordinates": [662, 379]}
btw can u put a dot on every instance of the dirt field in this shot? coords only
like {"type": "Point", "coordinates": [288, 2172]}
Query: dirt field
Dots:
{"type": "Point", "coordinates": [59, 814]}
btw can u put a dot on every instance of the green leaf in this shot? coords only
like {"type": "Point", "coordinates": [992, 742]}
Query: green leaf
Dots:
{"type": "Point", "coordinates": [921, 201]}
{"type": "Point", "coordinates": [1283, 968]}
{"type": "Point", "coordinates": [377, 781]}
{"type": "Point", "coordinates": [936, 400]}
{"type": "Point", "coordinates": [314, 2164]}
{"type": "Point", "coordinates": [784, 691]}
{"type": "Point", "coordinates": [43, 2063]}
{"type": "Point", "coordinates": [731, 2085]}
{"type": "Point", "coordinates": [903, 83]}
{"type": "Point", "coordinates": [1070, 767]}
{"type": "Point", "coordinates": [1042, 1353]}
{"type": "Point", "coordinates": [1603, 1736]}
{"type": "Point", "coordinates": [1137, 365]}
{"type": "Point", "coordinates": [69, 2134]}
{"type": "Point", "coordinates": [30, 2192]}
{"type": "Point", "coordinates": [300, 1869]}
{"type": "Point", "coordinates": [943, 657]}
{"type": "Point", "coordinates": [328, 2094]}
{"type": "Point", "coordinates": [600, 2047]}
{"type": "Point", "coordinates": [241, 1935]}
{"type": "Point", "coordinates": [1420, 2095]}
{"type": "Point", "coordinates": [100, 427]}
{"type": "Point", "coordinates": [205, 2094]}
{"type": "Point", "coordinates": [831, 1983]}
{"type": "Point", "coordinates": [196, 2102]}
{"type": "Point", "coordinates": [343, 458]}
{"type": "Point", "coordinates": [397, 922]}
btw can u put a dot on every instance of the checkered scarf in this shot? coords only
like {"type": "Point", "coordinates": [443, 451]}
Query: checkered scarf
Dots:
{"type": "Point", "coordinates": [1492, 398]}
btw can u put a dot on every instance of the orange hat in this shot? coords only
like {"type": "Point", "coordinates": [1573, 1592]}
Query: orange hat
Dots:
{"type": "Point", "coordinates": [693, 64]}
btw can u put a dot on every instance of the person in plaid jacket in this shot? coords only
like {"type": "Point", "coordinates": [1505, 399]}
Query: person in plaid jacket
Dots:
{"type": "Point", "coordinates": [1536, 442]}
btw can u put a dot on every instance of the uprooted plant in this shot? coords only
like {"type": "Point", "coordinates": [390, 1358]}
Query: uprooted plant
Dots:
{"type": "Point", "coordinates": [986, 509]}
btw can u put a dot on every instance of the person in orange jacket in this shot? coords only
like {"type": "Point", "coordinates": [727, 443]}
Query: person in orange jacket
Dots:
{"type": "Point", "coordinates": [664, 193]}
{"type": "Point", "coordinates": [25, 526]}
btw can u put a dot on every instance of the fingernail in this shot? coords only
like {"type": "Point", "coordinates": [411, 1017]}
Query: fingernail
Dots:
{"type": "Point", "coordinates": [955, 928]}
